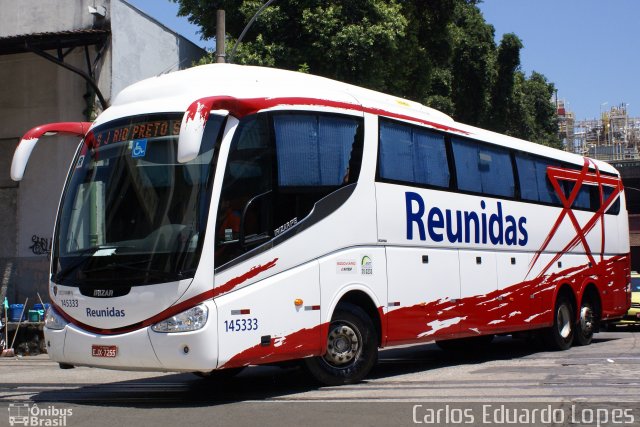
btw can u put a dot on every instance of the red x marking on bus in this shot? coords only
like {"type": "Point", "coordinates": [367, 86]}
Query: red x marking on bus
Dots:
{"type": "Point", "coordinates": [579, 178]}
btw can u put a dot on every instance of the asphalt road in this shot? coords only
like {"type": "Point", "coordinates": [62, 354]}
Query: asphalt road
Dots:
{"type": "Point", "coordinates": [580, 386]}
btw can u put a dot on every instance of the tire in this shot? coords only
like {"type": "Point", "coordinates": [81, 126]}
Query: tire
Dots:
{"type": "Point", "coordinates": [466, 344]}
{"type": "Point", "coordinates": [343, 363]}
{"type": "Point", "coordinates": [586, 324]}
{"type": "Point", "coordinates": [559, 337]}
{"type": "Point", "coordinates": [219, 374]}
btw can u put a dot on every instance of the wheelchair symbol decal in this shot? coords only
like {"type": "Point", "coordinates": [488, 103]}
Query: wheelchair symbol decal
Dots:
{"type": "Point", "coordinates": [139, 148]}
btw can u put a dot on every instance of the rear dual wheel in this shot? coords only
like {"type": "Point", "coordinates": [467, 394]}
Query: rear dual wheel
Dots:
{"type": "Point", "coordinates": [585, 326]}
{"type": "Point", "coordinates": [560, 335]}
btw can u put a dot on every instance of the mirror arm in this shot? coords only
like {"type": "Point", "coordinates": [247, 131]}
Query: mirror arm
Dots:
{"type": "Point", "coordinates": [29, 140]}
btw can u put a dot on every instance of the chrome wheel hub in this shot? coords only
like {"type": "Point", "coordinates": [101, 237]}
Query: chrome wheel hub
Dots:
{"type": "Point", "coordinates": [564, 321]}
{"type": "Point", "coordinates": [586, 319]}
{"type": "Point", "coordinates": [344, 344]}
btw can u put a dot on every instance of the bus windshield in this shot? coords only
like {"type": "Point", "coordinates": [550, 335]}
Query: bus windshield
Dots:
{"type": "Point", "coordinates": [131, 214]}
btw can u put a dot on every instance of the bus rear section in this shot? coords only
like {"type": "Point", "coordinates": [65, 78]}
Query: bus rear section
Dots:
{"type": "Point", "coordinates": [497, 237]}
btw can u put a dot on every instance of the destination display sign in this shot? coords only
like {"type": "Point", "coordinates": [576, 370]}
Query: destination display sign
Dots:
{"type": "Point", "coordinates": [133, 131]}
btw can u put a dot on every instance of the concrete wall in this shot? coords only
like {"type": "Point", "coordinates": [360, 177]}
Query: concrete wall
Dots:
{"type": "Point", "coordinates": [36, 91]}
{"type": "Point", "coordinates": [143, 48]}
{"type": "Point", "coordinates": [8, 200]}
{"type": "Point", "coordinates": [46, 16]}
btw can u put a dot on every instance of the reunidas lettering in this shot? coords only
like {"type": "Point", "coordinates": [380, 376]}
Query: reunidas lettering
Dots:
{"type": "Point", "coordinates": [464, 226]}
{"type": "Point", "coordinates": [106, 312]}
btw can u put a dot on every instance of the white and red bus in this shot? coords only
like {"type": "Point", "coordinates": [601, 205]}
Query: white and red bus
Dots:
{"type": "Point", "coordinates": [226, 216]}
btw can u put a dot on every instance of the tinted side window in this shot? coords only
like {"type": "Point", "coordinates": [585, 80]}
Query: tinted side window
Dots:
{"type": "Point", "coordinates": [615, 207]}
{"type": "Point", "coordinates": [316, 155]}
{"type": "Point", "coordinates": [482, 168]}
{"type": "Point", "coordinates": [248, 180]}
{"type": "Point", "coordinates": [316, 150]}
{"type": "Point", "coordinates": [412, 154]}
{"type": "Point", "coordinates": [279, 166]}
{"type": "Point", "coordinates": [534, 183]}
{"type": "Point", "coordinates": [588, 196]}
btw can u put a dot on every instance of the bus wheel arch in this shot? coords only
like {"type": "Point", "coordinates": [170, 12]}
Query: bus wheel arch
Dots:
{"type": "Point", "coordinates": [365, 302]}
{"type": "Point", "coordinates": [588, 316]}
{"type": "Point", "coordinates": [560, 335]}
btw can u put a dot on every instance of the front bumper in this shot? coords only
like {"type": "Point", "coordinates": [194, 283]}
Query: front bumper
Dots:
{"type": "Point", "coordinates": [140, 350]}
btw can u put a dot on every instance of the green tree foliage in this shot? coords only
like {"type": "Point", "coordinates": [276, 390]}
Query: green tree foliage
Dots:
{"type": "Point", "coordinates": [440, 53]}
{"type": "Point", "coordinates": [472, 64]}
{"type": "Point", "coordinates": [537, 92]}
{"type": "Point", "coordinates": [504, 99]}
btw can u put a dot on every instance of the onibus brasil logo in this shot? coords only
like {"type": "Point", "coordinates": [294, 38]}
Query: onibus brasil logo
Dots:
{"type": "Point", "coordinates": [32, 415]}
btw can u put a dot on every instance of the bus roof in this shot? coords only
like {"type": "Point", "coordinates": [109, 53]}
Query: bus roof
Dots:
{"type": "Point", "coordinates": [174, 92]}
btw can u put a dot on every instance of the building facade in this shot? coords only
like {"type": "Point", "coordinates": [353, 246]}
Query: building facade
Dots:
{"type": "Point", "coordinates": [62, 60]}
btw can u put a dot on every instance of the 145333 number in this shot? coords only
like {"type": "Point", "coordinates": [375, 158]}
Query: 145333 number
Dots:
{"type": "Point", "coordinates": [241, 325]}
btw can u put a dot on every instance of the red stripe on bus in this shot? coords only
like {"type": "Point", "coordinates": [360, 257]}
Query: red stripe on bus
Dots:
{"type": "Point", "coordinates": [481, 314]}
{"type": "Point", "coordinates": [175, 309]}
{"type": "Point", "coordinates": [241, 107]}
{"type": "Point", "coordinates": [582, 177]}
{"type": "Point", "coordinates": [67, 128]}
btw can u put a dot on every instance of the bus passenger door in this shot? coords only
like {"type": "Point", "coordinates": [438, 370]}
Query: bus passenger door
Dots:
{"type": "Point", "coordinates": [423, 295]}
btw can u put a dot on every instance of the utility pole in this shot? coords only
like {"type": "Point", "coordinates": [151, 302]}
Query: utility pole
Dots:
{"type": "Point", "coordinates": [220, 35]}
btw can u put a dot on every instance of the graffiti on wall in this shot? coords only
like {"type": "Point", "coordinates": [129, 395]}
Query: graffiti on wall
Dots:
{"type": "Point", "coordinates": [41, 245]}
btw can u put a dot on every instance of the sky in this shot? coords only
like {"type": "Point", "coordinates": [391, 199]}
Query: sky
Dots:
{"type": "Point", "coordinates": [590, 49]}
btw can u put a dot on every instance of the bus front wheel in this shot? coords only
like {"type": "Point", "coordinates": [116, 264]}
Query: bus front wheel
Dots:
{"type": "Point", "coordinates": [352, 348]}
{"type": "Point", "coordinates": [560, 335]}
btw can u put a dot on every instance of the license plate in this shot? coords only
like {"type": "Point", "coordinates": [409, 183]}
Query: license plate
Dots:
{"type": "Point", "coordinates": [104, 350]}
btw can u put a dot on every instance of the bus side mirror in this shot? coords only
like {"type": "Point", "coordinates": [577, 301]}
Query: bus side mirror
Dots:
{"type": "Point", "coordinates": [196, 116]}
{"type": "Point", "coordinates": [29, 140]}
{"type": "Point", "coordinates": [192, 128]}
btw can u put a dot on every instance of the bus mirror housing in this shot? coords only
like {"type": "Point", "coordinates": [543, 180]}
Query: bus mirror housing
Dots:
{"type": "Point", "coordinates": [29, 140]}
{"type": "Point", "coordinates": [196, 116]}
{"type": "Point", "coordinates": [192, 129]}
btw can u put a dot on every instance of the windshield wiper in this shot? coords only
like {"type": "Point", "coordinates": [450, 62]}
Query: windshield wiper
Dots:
{"type": "Point", "coordinates": [82, 253]}
{"type": "Point", "coordinates": [129, 266]}
{"type": "Point", "coordinates": [125, 265]}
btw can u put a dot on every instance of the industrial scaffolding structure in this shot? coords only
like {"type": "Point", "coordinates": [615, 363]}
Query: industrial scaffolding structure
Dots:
{"type": "Point", "coordinates": [613, 136]}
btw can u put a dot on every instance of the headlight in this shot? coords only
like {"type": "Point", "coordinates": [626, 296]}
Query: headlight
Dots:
{"type": "Point", "coordinates": [189, 320]}
{"type": "Point", "coordinates": [53, 320]}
